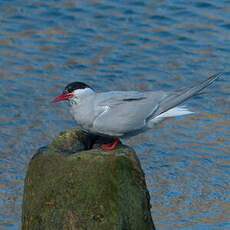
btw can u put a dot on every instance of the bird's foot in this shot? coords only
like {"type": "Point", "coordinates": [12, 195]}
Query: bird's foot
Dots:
{"type": "Point", "coordinates": [110, 146]}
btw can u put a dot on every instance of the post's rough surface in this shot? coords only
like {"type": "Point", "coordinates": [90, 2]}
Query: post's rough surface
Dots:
{"type": "Point", "coordinates": [67, 187]}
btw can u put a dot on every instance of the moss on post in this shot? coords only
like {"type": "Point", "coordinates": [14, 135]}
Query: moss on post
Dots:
{"type": "Point", "coordinates": [70, 189]}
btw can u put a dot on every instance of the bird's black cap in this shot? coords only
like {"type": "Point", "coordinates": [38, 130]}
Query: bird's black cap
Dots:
{"type": "Point", "coordinates": [75, 85]}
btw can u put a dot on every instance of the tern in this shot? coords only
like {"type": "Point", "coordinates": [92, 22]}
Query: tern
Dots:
{"type": "Point", "coordinates": [123, 114]}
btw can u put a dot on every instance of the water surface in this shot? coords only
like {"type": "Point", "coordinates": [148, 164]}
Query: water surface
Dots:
{"type": "Point", "coordinates": [128, 45]}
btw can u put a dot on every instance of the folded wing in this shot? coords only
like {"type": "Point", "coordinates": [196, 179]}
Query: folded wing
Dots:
{"type": "Point", "coordinates": [123, 112]}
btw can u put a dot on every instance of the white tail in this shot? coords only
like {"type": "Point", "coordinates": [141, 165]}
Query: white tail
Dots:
{"type": "Point", "coordinates": [174, 112]}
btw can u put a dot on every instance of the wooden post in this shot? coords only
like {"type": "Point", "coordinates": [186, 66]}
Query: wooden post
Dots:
{"type": "Point", "coordinates": [88, 189]}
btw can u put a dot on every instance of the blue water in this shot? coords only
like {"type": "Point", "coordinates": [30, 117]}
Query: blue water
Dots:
{"type": "Point", "coordinates": [121, 45]}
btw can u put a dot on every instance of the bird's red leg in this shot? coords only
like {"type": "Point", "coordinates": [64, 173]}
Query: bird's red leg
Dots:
{"type": "Point", "coordinates": [110, 146]}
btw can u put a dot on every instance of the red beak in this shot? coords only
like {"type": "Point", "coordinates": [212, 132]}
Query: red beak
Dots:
{"type": "Point", "coordinates": [62, 97]}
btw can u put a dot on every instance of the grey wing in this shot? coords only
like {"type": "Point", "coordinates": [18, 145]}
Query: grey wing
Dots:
{"type": "Point", "coordinates": [124, 112]}
{"type": "Point", "coordinates": [177, 97]}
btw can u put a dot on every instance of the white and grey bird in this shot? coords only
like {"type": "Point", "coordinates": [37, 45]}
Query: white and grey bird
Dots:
{"type": "Point", "coordinates": [122, 114]}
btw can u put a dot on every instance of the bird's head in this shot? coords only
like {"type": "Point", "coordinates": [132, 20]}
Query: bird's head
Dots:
{"type": "Point", "coordinates": [74, 90]}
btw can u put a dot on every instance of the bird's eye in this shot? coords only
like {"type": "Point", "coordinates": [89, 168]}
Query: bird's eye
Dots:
{"type": "Point", "coordinates": [65, 91]}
